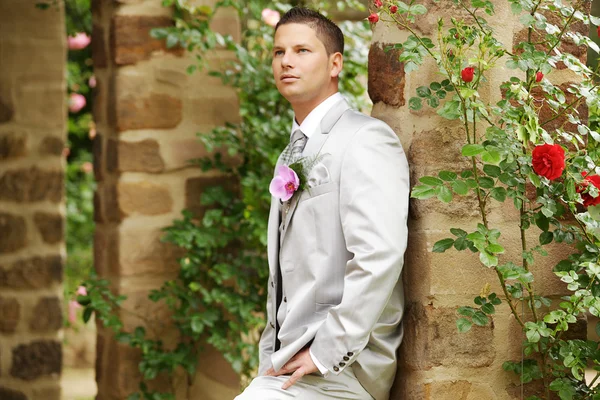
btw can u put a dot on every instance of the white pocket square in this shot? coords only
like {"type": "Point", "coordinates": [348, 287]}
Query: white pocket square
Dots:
{"type": "Point", "coordinates": [318, 175]}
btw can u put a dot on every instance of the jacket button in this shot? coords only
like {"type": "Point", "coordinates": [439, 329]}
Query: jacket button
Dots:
{"type": "Point", "coordinates": [272, 326]}
{"type": "Point", "coordinates": [285, 299]}
{"type": "Point", "coordinates": [272, 284]}
{"type": "Point", "coordinates": [342, 364]}
{"type": "Point", "coordinates": [346, 358]}
{"type": "Point", "coordinates": [336, 369]}
{"type": "Point", "coordinates": [350, 354]}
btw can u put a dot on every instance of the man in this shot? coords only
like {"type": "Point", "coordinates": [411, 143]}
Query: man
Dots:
{"type": "Point", "coordinates": [335, 297]}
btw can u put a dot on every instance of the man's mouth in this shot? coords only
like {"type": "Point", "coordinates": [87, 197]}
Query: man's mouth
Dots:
{"type": "Point", "coordinates": [288, 78]}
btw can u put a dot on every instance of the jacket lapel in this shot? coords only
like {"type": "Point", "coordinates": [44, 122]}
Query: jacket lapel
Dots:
{"type": "Point", "coordinates": [312, 149]}
{"type": "Point", "coordinates": [273, 228]}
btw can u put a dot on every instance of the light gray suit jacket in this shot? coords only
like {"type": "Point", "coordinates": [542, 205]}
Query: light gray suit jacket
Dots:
{"type": "Point", "coordinates": [340, 249]}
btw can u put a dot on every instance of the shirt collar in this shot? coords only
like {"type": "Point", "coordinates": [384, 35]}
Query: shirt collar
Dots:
{"type": "Point", "coordinates": [310, 125]}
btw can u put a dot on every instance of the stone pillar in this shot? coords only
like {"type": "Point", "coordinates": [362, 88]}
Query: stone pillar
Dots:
{"type": "Point", "coordinates": [436, 361]}
{"type": "Point", "coordinates": [32, 249]}
{"type": "Point", "coordinates": [147, 111]}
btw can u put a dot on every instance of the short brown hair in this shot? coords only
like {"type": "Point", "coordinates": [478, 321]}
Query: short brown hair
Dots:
{"type": "Point", "coordinates": [327, 31]}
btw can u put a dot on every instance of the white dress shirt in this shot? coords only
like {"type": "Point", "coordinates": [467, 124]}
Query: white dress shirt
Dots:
{"type": "Point", "coordinates": [309, 126]}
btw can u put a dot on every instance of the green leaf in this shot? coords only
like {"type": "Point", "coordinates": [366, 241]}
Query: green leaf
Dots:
{"type": "Point", "coordinates": [495, 248]}
{"type": "Point", "coordinates": [488, 259]}
{"type": "Point", "coordinates": [470, 150]}
{"type": "Point", "coordinates": [418, 9]}
{"type": "Point", "coordinates": [463, 325]}
{"type": "Point", "coordinates": [460, 187]}
{"type": "Point", "coordinates": [87, 314]}
{"type": "Point", "coordinates": [546, 237]}
{"type": "Point", "coordinates": [491, 156]}
{"type": "Point", "coordinates": [448, 176]}
{"type": "Point", "coordinates": [450, 110]}
{"type": "Point", "coordinates": [442, 245]}
{"type": "Point", "coordinates": [431, 181]}
{"type": "Point", "coordinates": [486, 183]}
{"type": "Point", "coordinates": [423, 91]}
{"type": "Point", "coordinates": [415, 103]}
{"type": "Point", "coordinates": [498, 193]}
{"type": "Point", "coordinates": [492, 170]}
{"type": "Point", "coordinates": [423, 192]}
{"type": "Point", "coordinates": [480, 319]}
{"type": "Point", "coordinates": [488, 308]}
{"type": "Point", "coordinates": [444, 194]}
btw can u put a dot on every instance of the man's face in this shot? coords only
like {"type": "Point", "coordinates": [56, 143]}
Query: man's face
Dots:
{"type": "Point", "coordinates": [301, 67]}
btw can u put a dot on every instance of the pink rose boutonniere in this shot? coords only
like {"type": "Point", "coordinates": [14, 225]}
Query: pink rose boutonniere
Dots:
{"type": "Point", "coordinates": [285, 183]}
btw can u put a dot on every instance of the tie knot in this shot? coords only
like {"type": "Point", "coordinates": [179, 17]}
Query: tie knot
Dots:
{"type": "Point", "coordinates": [297, 135]}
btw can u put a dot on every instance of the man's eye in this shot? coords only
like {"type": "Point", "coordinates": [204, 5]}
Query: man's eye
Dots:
{"type": "Point", "coordinates": [303, 50]}
{"type": "Point", "coordinates": [278, 53]}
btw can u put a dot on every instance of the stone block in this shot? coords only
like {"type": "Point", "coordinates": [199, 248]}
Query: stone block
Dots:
{"type": "Point", "coordinates": [32, 184]}
{"type": "Point", "coordinates": [47, 315]}
{"type": "Point", "coordinates": [209, 111]}
{"type": "Point", "coordinates": [152, 111]}
{"type": "Point", "coordinates": [36, 359]}
{"type": "Point", "coordinates": [227, 22]}
{"type": "Point", "coordinates": [546, 113]}
{"type": "Point", "coordinates": [32, 273]}
{"type": "Point", "coordinates": [12, 145]}
{"type": "Point", "coordinates": [110, 203]}
{"type": "Point", "coordinates": [52, 145]}
{"type": "Point", "coordinates": [427, 23]}
{"type": "Point", "coordinates": [99, 55]}
{"type": "Point", "coordinates": [10, 314]}
{"type": "Point", "coordinates": [144, 198]}
{"type": "Point", "coordinates": [97, 154]}
{"type": "Point", "coordinates": [142, 252]}
{"type": "Point", "coordinates": [14, 232]}
{"type": "Point", "coordinates": [7, 110]}
{"type": "Point", "coordinates": [47, 392]}
{"type": "Point", "coordinates": [130, 40]}
{"type": "Point", "coordinates": [106, 252]}
{"type": "Point", "coordinates": [9, 394]}
{"type": "Point", "coordinates": [448, 390]}
{"type": "Point", "coordinates": [194, 187]}
{"type": "Point", "coordinates": [387, 78]}
{"type": "Point", "coordinates": [439, 149]}
{"type": "Point", "coordinates": [141, 156]}
{"type": "Point", "coordinates": [50, 226]}
{"type": "Point", "coordinates": [432, 340]}
{"type": "Point", "coordinates": [39, 103]}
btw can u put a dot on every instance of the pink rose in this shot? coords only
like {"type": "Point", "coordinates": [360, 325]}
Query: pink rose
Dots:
{"type": "Point", "coordinates": [92, 81]}
{"type": "Point", "coordinates": [271, 17]}
{"type": "Point", "coordinates": [86, 167]}
{"type": "Point", "coordinates": [73, 306]}
{"type": "Point", "coordinates": [81, 290]}
{"type": "Point", "coordinates": [285, 184]}
{"type": "Point", "coordinates": [79, 41]}
{"type": "Point", "coordinates": [76, 102]}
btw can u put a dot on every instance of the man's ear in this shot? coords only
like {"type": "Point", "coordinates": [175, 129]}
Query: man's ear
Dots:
{"type": "Point", "coordinates": [337, 63]}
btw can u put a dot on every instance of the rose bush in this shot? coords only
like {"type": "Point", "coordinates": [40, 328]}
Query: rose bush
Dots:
{"type": "Point", "coordinates": [549, 172]}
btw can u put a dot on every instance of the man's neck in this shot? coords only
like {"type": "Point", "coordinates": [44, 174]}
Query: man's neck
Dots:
{"type": "Point", "coordinates": [302, 110]}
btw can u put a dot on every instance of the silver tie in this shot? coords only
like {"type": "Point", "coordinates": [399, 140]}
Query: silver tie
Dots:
{"type": "Point", "coordinates": [294, 151]}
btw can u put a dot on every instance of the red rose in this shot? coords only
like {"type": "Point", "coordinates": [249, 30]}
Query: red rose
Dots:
{"type": "Point", "coordinates": [393, 9]}
{"type": "Point", "coordinates": [467, 74]}
{"type": "Point", "coordinates": [548, 160]}
{"type": "Point", "coordinates": [588, 200]}
{"type": "Point", "coordinates": [538, 76]}
{"type": "Point", "coordinates": [378, 3]}
{"type": "Point", "coordinates": [373, 17]}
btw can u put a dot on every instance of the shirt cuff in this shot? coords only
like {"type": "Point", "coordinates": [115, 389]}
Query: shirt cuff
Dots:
{"type": "Point", "coordinates": [324, 371]}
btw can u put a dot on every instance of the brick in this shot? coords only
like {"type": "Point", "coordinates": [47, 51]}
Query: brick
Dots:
{"type": "Point", "coordinates": [36, 359]}
{"type": "Point", "coordinates": [9, 394]}
{"type": "Point", "coordinates": [7, 110]}
{"type": "Point", "coordinates": [10, 314]}
{"type": "Point", "coordinates": [130, 40]}
{"type": "Point", "coordinates": [12, 145]}
{"type": "Point", "coordinates": [52, 145]}
{"type": "Point", "coordinates": [141, 156]}
{"type": "Point", "coordinates": [152, 111]}
{"type": "Point", "coordinates": [14, 233]}
{"type": "Point", "coordinates": [144, 198]}
{"type": "Point", "coordinates": [432, 340]}
{"type": "Point", "coordinates": [47, 315]}
{"type": "Point", "coordinates": [32, 273]}
{"type": "Point", "coordinates": [545, 112]}
{"type": "Point", "coordinates": [98, 44]}
{"type": "Point", "coordinates": [30, 185]}
{"type": "Point", "coordinates": [386, 76]}
{"type": "Point", "coordinates": [50, 226]}
{"type": "Point", "coordinates": [194, 187]}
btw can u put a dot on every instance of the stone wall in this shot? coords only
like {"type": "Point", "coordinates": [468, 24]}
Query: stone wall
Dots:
{"type": "Point", "coordinates": [147, 112]}
{"type": "Point", "coordinates": [437, 362]}
{"type": "Point", "coordinates": [32, 250]}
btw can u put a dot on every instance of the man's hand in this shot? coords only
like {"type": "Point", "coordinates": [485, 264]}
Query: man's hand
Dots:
{"type": "Point", "coordinates": [301, 364]}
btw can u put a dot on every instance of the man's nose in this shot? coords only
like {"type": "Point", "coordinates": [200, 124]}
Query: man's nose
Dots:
{"type": "Point", "coordinates": [286, 60]}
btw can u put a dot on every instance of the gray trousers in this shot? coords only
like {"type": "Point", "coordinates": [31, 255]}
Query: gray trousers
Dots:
{"type": "Point", "coordinates": [309, 387]}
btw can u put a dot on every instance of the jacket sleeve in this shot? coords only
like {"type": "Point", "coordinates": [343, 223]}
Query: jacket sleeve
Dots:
{"type": "Point", "coordinates": [374, 193]}
{"type": "Point", "coordinates": [267, 339]}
